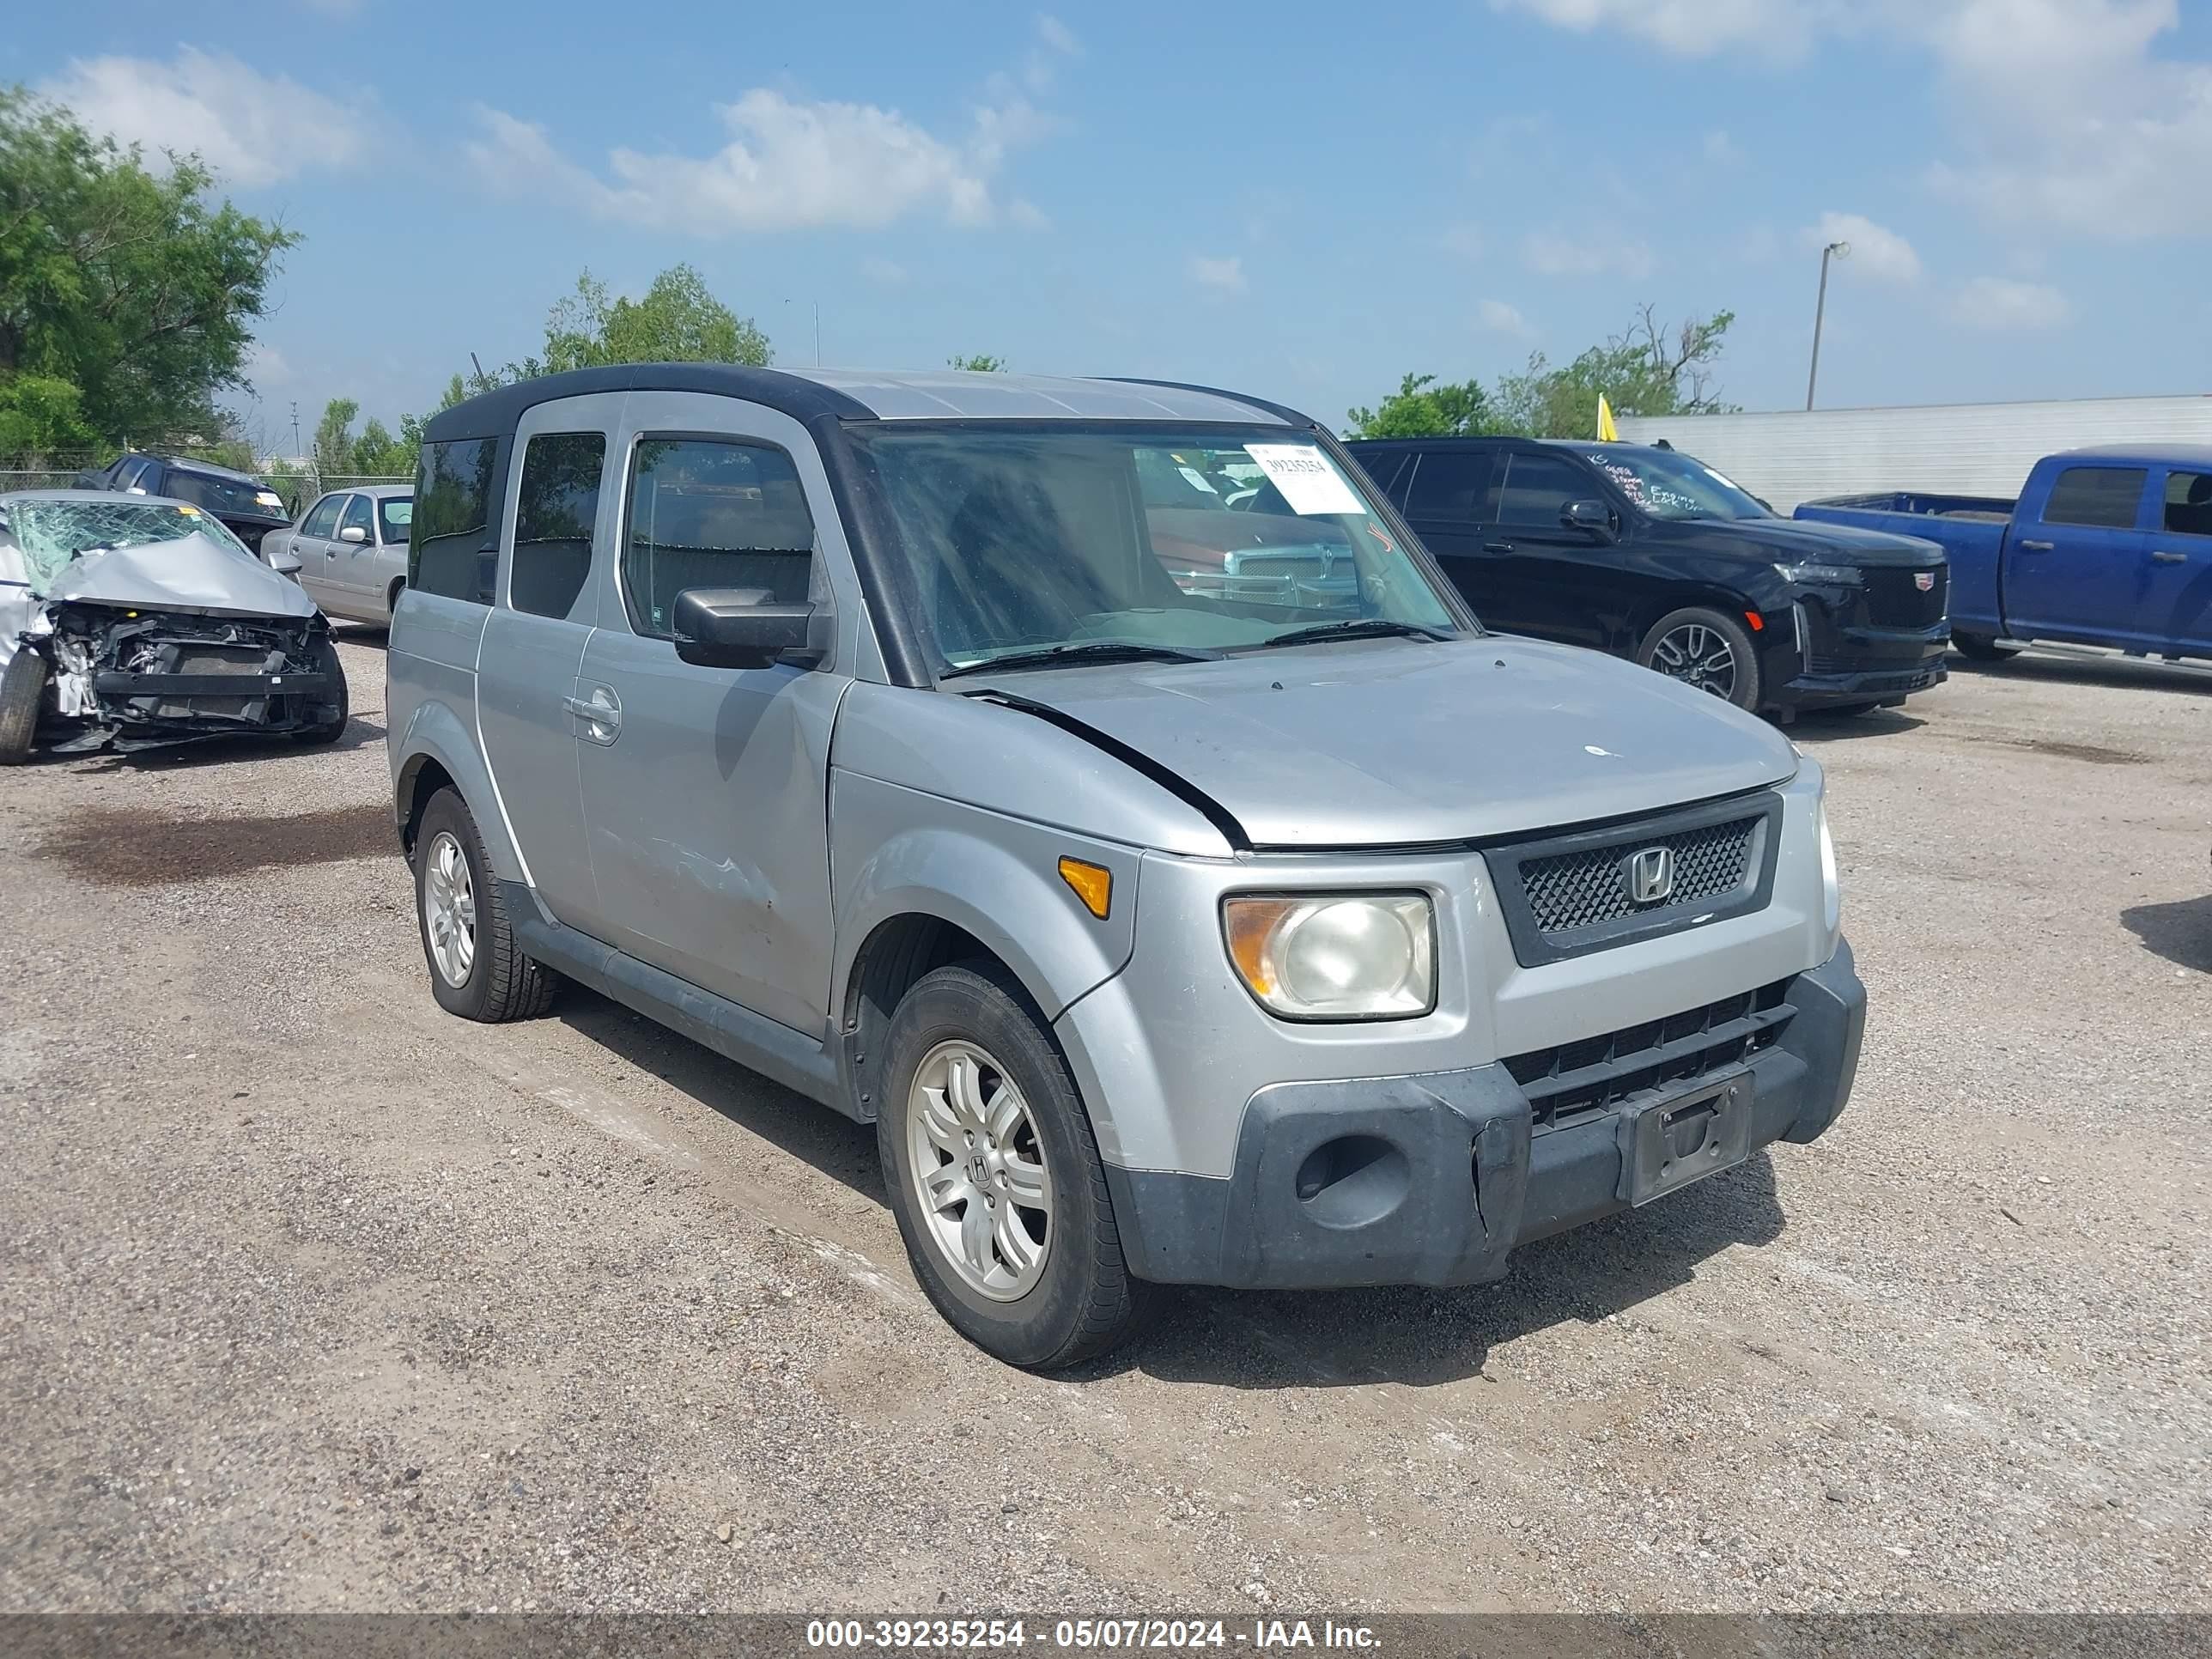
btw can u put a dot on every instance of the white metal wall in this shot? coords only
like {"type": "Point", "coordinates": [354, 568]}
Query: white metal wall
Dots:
{"type": "Point", "coordinates": [1956, 449]}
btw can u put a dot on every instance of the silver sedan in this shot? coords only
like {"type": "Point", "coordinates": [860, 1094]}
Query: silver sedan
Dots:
{"type": "Point", "coordinates": [349, 552]}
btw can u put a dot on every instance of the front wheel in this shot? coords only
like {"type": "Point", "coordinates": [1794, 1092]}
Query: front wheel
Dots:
{"type": "Point", "coordinates": [1980, 647]}
{"type": "Point", "coordinates": [1707, 650]}
{"type": "Point", "coordinates": [336, 708]}
{"type": "Point", "coordinates": [22, 688]}
{"type": "Point", "coordinates": [995, 1177]}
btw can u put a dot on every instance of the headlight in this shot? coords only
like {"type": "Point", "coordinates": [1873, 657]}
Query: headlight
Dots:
{"type": "Point", "coordinates": [1831, 889]}
{"type": "Point", "coordinates": [1335, 956]}
{"type": "Point", "coordinates": [1821, 575]}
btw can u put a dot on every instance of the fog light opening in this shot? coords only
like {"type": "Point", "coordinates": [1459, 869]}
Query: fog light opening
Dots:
{"type": "Point", "coordinates": [1352, 1181]}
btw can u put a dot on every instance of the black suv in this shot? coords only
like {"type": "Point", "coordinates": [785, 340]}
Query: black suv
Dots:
{"type": "Point", "coordinates": [1650, 555]}
{"type": "Point", "coordinates": [245, 506]}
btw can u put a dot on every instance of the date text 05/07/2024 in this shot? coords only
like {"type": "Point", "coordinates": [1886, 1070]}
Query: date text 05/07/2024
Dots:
{"type": "Point", "coordinates": [1106, 1635]}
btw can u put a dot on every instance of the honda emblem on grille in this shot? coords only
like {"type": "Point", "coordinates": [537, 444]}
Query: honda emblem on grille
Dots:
{"type": "Point", "coordinates": [1650, 875]}
{"type": "Point", "coordinates": [1925, 580]}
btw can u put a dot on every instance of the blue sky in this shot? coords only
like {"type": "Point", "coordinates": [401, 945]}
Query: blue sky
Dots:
{"type": "Point", "coordinates": [1299, 199]}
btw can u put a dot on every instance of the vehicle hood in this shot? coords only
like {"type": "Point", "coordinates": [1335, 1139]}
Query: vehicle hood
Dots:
{"type": "Point", "coordinates": [1394, 742]}
{"type": "Point", "coordinates": [191, 574]}
{"type": "Point", "coordinates": [1784, 540]}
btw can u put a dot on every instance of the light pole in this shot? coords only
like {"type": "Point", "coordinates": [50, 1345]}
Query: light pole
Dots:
{"type": "Point", "coordinates": [1841, 251]}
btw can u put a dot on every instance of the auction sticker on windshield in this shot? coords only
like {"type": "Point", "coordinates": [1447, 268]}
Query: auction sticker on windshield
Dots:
{"type": "Point", "coordinates": [1305, 478]}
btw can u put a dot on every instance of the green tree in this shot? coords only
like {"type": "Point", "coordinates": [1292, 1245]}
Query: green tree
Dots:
{"type": "Point", "coordinates": [1423, 408]}
{"type": "Point", "coordinates": [377, 454]}
{"type": "Point", "coordinates": [333, 449]}
{"type": "Point", "coordinates": [981, 362]}
{"type": "Point", "coordinates": [137, 288]}
{"type": "Point", "coordinates": [678, 321]}
{"type": "Point", "coordinates": [41, 416]}
{"type": "Point", "coordinates": [1646, 370]}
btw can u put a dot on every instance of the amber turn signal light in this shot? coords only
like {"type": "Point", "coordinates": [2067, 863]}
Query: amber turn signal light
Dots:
{"type": "Point", "coordinates": [1090, 882]}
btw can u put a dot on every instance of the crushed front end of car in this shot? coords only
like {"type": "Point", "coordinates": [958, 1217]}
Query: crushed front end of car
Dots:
{"type": "Point", "coordinates": [129, 679]}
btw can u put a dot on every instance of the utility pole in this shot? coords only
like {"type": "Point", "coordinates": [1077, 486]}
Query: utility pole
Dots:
{"type": "Point", "coordinates": [1841, 251]}
{"type": "Point", "coordinates": [295, 426]}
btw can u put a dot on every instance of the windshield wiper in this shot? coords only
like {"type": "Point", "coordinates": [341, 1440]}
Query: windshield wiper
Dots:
{"type": "Point", "coordinates": [1354, 628]}
{"type": "Point", "coordinates": [1054, 656]}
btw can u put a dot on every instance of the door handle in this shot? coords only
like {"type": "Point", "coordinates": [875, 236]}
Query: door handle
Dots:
{"type": "Point", "coordinates": [2036, 547]}
{"type": "Point", "coordinates": [1497, 547]}
{"type": "Point", "coordinates": [2163, 558]}
{"type": "Point", "coordinates": [595, 708]}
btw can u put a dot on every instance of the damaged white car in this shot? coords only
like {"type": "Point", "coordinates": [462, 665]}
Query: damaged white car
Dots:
{"type": "Point", "coordinates": [126, 622]}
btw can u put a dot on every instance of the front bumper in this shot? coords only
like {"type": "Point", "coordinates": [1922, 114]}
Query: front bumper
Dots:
{"type": "Point", "coordinates": [1857, 662]}
{"type": "Point", "coordinates": [1433, 1179]}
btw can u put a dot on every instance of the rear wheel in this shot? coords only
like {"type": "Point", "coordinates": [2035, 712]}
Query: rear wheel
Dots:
{"type": "Point", "coordinates": [1707, 650]}
{"type": "Point", "coordinates": [335, 707]}
{"type": "Point", "coordinates": [391, 597]}
{"type": "Point", "coordinates": [1980, 647]}
{"type": "Point", "coordinates": [995, 1177]}
{"type": "Point", "coordinates": [477, 970]}
{"type": "Point", "coordinates": [22, 688]}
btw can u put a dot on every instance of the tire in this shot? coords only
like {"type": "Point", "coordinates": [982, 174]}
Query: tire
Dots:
{"type": "Point", "coordinates": [1076, 1299]}
{"type": "Point", "coordinates": [22, 689]}
{"type": "Point", "coordinates": [1675, 639]}
{"type": "Point", "coordinates": [1980, 647]}
{"type": "Point", "coordinates": [490, 980]}
{"type": "Point", "coordinates": [391, 599]}
{"type": "Point", "coordinates": [327, 662]}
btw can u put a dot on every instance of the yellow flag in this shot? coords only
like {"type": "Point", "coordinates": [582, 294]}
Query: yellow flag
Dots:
{"type": "Point", "coordinates": [1607, 433]}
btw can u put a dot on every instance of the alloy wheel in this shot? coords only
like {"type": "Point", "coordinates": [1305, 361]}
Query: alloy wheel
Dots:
{"type": "Point", "coordinates": [978, 1170]}
{"type": "Point", "coordinates": [449, 908]}
{"type": "Point", "coordinates": [1698, 656]}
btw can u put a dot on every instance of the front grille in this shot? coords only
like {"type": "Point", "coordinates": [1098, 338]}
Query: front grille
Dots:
{"type": "Point", "coordinates": [1593, 1074]}
{"type": "Point", "coordinates": [1566, 895]}
{"type": "Point", "coordinates": [1581, 889]}
{"type": "Point", "coordinates": [1893, 599]}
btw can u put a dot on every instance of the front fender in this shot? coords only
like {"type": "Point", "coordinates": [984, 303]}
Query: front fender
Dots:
{"type": "Point", "coordinates": [895, 852]}
{"type": "Point", "coordinates": [435, 735]}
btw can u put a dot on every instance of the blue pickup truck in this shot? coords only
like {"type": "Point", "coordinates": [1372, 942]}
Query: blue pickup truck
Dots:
{"type": "Point", "coordinates": [2110, 546]}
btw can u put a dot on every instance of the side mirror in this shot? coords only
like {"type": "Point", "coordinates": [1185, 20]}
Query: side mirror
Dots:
{"type": "Point", "coordinates": [744, 628]}
{"type": "Point", "coordinates": [354, 533]}
{"type": "Point", "coordinates": [1596, 517]}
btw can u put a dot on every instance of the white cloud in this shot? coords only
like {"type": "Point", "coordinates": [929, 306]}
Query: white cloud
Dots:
{"type": "Point", "coordinates": [889, 272]}
{"type": "Point", "coordinates": [1691, 29]}
{"type": "Point", "coordinates": [1550, 253]}
{"type": "Point", "coordinates": [252, 129]}
{"type": "Point", "coordinates": [2000, 305]}
{"type": "Point", "coordinates": [1721, 149]}
{"type": "Point", "coordinates": [1878, 252]}
{"type": "Point", "coordinates": [265, 367]}
{"type": "Point", "coordinates": [1058, 36]}
{"type": "Point", "coordinates": [1501, 319]}
{"type": "Point", "coordinates": [789, 165]}
{"type": "Point", "coordinates": [1055, 41]}
{"type": "Point", "coordinates": [1223, 275]}
{"type": "Point", "coordinates": [2069, 116]}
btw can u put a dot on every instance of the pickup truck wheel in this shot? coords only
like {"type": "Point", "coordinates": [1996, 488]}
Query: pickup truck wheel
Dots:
{"type": "Point", "coordinates": [995, 1177]}
{"type": "Point", "coordinates": [22, 688]}
{"type": "Point", "coordinates": [1980, 647]}
{"type": "Point", "coordinates": [1707, 650]}
{"type": "Point", "coordinates": [477, 970]}
{"type": "Point", "coordinates": [331, 730]}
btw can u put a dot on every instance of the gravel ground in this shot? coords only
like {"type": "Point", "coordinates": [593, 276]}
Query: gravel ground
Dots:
{"type": "Point", "coordinates": [312, 1298]}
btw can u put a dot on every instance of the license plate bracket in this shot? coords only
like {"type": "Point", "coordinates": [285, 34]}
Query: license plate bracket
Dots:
{"type": "Point", "coordinates": [1670, 1141]}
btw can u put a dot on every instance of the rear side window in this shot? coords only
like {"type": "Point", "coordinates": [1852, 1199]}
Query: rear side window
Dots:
{"type": "Point", "coordinates": [555, 510]}
{"type": "Point", "coordinates": [323, 521]}
{"type": "Point", "coordinates": [451, 552]}
{"type": "Point", "coordinates": [2104, 497]}
{"type": "Point", "coordinates": [711, 512]}
{"type": "Point", "coordinates": [1453, 483]}
{"type": "Point", "coordinates": [217, 495]}
{"type": "Point", "coordinates": [2189, 503]}
{"type": "Point", "coordinates": [1383, 466]}
{"type": "Point", "coordinates": [1537, 487]}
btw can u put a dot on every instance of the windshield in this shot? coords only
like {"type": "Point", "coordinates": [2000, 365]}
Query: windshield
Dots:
{"type": "Point", "coordinates": [51, 533]}
{"type": "Point", "coordinates": [240, 497]}
{"type": "Point", "coordinates": [397, 512]}
{"type": "Point", "coordinates": [1198, 539]}
{"type": "Point", "coordinates": [1668, 485]}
